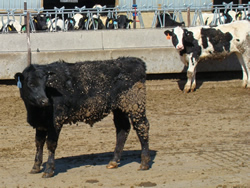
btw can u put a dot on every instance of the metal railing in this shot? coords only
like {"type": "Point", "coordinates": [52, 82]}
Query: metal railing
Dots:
{"type": "Point", "coordinates": [132, 12]}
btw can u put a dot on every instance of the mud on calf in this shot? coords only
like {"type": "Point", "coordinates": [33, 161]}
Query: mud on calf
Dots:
{"type": "Point", "coordinates": [132, 107]}
{"type": "Point", "coordinates": [54, 95]}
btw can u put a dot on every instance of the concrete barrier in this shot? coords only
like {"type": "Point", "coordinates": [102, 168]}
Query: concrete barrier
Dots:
{"type": "Point", "coordinates": [147, 44]}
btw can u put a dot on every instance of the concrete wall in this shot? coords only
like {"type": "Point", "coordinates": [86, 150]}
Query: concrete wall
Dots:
{"type": "Point", "coordinates": [147, 44]}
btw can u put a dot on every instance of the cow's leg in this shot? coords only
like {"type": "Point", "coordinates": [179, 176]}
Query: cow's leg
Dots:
{"type": "Point", "coordinates": [244, 62]}
{"type": "Point", "coordinates": [40, 140]}
{"type": "Point", "coordinates": [122, 130]}
{"type": "Point", "coordinates": [190, 76]}
{"type": "Point", "coordinates": [141, 125]}
{"type": "Point", "coordinates": [193, 86]}
{"type": "Point", "coordinates": [52, 139]}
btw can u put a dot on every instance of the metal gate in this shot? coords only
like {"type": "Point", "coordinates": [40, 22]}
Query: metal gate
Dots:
{"type": "Point", "coordinates": [152, 4]}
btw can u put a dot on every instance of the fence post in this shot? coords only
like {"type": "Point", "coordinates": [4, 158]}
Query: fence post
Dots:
{"type": "Point", "coordinates": [134, 16]}
{"type": "Point", "coordinates": [188, 16]}
{"type": "Point", "coordinates": [28, 40]}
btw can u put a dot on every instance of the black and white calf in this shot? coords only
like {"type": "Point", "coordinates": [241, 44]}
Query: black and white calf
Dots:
{"type": "Point", "coordinates": [169, 21]}
{"type": "Point", "coordinates": [121, 22]}
{"type": "Point", "coordinates": [197, 43]}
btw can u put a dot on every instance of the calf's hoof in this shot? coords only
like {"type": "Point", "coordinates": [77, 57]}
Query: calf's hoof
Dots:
{"type": "Point", "coordinates": [48, 175]}
{"type": "Point", "coordinates": [112, 164]}
{"type": "Point", "coordinates": [144, 167]}
{"type": "Point", "coordinates": [186, 90]}
{"type": "Point", "coordinates": [35, 170]}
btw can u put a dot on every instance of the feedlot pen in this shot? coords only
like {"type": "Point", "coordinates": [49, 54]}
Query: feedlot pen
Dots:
{"type": "Point", "coordinates": [199, 139]}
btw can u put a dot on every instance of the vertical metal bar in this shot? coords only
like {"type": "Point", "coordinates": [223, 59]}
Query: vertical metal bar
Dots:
{"type": "Point", "coordinates": [134, 17]}
{"type": "Point", "coordinates": [188, 16]}
{"type": "Point", "coordinates": [28, 40]}
{"type": "Point", "coordinates": [25, 10]}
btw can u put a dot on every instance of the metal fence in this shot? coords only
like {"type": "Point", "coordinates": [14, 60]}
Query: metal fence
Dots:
{"type": "Point", "coordinates": [152, 4]}
{"type": "Point", "coordinates": [127, 9]}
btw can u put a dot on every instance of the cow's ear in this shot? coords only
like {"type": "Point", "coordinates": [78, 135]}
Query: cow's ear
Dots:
{"type": "Point", "coordinates": [50, 74]}
{"type": "Point", "coordinates": [168, 33]}
{"type": "Point", "coordinates": [20, 75]}
{"type": "Point", "coordinates": [130, 21]}
{"type": "Point", "coordinates": [187, 32]}
{"type": "Point", "coordinates": [19, 78]}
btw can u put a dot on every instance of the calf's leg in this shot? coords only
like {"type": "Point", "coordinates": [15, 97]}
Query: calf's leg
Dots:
{"type": "Point", "coordinates": [141, 125]}
{"type": "Point", "coordinates": [122, 130]}
{"type": "Point", "coordinates": [191, 81]}
{"type": "Point", "coordinates": [244, 60]}
{"type": "Point", "coordinates": [52, 139]}
{"type": "Point", "coordinates": [40, 140]}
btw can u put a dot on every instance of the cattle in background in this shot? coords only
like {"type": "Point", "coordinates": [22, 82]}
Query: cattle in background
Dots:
{"type": "Point", "coordinates": [169, 21]}
{"type": "Point", "coordinates": [40, 22]}
{"type": "Point", "coordinates": [70, 24]}
{"type": "Point", "coordinates": [197, 43]}
{"type": "Point", "coordinates": [62, 93]}
{"type": "Point", "coordinates": [242, 15]}
{"type": "Point", "coordinates": [80, 21]}
{"type": "Point", "coordinates": [96, 23]}
{"type": "Point", "coordinates": [222, 18]}
{"type": "Point", "coordinates": [10, 26]}
{"type": "Point", "coordinates": [121, 22]}
{"type": "Point", "coordinates": [55, 24]}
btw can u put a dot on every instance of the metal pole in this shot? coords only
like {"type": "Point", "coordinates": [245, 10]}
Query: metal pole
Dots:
{"type": "Point", "coordinates": [134, 17]}
{"type": "Point", "coordinates": [188, 17]}
{"type": "Point", "coordinates": [25, 10]}
{"type": "Point", "coordinates": [28, 40]}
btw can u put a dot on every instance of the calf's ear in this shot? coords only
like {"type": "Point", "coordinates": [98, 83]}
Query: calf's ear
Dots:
{"type": "Point", "coordinates": [168, 33]}
{"type": "Point", "coordinates": [49, 75]}
{"type": "Point", "coordinates": [130, 21]}
{"type": "Point", "coordinates": [19, 78]}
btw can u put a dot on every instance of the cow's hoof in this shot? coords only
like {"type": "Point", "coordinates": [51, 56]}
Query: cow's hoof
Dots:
{"type": "Point", "coordinates": [35, 170]}
{"type": "Point", "coordinates": [48, 175]}
{"type": "Point", "coordinates": [112, 164]}
{"type": "Point", "coordinates": [144, 167]}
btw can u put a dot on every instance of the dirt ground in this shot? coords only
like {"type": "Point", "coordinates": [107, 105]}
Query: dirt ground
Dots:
{"type": "Point", "coordinates": [199, 140]}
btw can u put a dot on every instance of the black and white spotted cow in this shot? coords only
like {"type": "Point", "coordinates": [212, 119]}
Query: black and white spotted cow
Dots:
{"type": "Point", "coordinates": [169, 21]}
{"type": "Point", "coordinates": [197, 43]}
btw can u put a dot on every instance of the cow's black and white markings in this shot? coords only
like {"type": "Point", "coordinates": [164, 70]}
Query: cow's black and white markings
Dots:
{"type": "Point", "coordinates": [169, 21]}
{"type": "Point", "coordinates": [197, 43]}
{"type": "Point", "coordinates": [60, 93]}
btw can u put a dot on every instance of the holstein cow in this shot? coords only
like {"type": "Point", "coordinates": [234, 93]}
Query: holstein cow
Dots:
{"type": "Point", "coordinates": [121, 22]}
{"type": "Point", "coordinates": [197, 43]}
{"type": "Point", "coordinates": [221, 18]}
{"type": "Point", "coordinates": [10, 26]}
{"type": "Point", "coordinates": [169, 22]}
{"type": "Point", "coordinates": [61, 93]}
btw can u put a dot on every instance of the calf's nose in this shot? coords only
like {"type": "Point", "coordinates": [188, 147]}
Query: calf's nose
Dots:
{"type": "Point", "coordinates": [179, 47]}
{"type": "Point", "coordinates": [45, 102]}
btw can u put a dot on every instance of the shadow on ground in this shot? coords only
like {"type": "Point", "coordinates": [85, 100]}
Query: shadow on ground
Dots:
{"type": "Point", "coordinates": [66, 163]}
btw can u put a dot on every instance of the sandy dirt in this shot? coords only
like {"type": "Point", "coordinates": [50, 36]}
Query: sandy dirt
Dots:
{"type": "Point", "coordinates": [199, 140]}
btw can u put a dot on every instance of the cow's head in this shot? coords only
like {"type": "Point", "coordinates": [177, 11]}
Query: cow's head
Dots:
{"type": "Point", "coordinates": [70, 23]}
{"type": "Point", "coordinates": [32, 84]}
{"type": "Point", "coordinates": [80, 21]}
{"type": "Point", "coordinates": [40, 22]}
{"type": "Point", "coordinates": [123, 22]}
{"type": "Point", "coordinates": [179, 37]}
